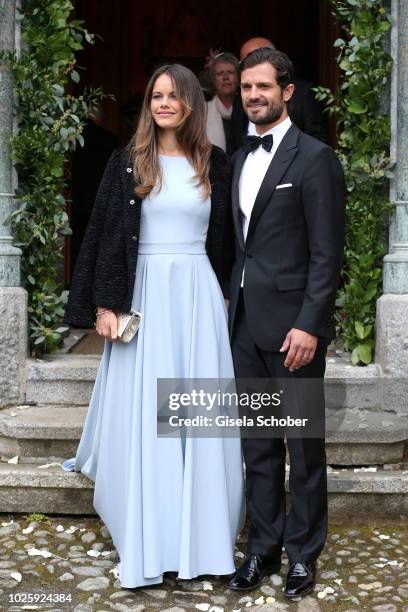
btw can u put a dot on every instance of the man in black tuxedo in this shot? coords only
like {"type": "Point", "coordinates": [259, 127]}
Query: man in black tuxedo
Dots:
{"type": "Point", "coordinates": [288, 207]}
{"type": "Point", "coordinates": [303, 108]}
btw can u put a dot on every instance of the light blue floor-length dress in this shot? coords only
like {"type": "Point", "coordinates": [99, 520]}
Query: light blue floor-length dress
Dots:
{"type": "Point", "coordinates": [169, 504]}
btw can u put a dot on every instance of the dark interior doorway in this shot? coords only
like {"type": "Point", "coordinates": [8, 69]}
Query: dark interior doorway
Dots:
{"type": "Point", "coordinates": [134, 37]}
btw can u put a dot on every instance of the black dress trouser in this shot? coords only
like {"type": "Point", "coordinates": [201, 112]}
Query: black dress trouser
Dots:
{"type": "Point", "coordinates": [303, 531]}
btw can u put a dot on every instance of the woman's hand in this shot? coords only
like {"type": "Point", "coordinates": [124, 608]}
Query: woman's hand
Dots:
{"type": "Point", "coordinates": [107, 325]}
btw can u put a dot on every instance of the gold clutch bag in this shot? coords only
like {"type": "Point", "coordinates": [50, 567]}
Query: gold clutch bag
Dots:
{"type": "Point", "coordinates": [128, 325]}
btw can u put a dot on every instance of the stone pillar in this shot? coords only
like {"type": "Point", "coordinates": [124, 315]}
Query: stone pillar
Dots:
{"type": "Point", "coordinates": [396, 262]}
{"type": "Point", "coordinates": [13, 298]}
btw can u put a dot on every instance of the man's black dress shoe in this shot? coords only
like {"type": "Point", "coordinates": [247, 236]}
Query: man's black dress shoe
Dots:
{"type": "Point", "coordinates": [300, 579]}
{"type": "Point", "coordinates": [251, 572]}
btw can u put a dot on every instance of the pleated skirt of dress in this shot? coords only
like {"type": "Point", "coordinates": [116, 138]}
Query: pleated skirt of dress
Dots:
{"type": "Point", "coordinates": [168, 505]}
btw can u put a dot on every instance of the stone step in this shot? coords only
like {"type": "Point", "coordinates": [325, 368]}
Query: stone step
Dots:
{"type": "Point", "coordinates": [46, 433]}
{"type": "Point", "coordinates": [29, 488]}
{"type": "Point", "coordinates": [61, 379]}
{"type": "Point", "coordinates": [41, 434]}
{"type": "Point", "coordinates": [365, 437]}
{"type": "Point", "coordinates": [69, 379]}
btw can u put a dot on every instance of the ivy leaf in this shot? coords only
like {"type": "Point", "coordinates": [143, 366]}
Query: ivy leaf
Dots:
{"type": "Point", "coordinates": [357, 108]}
{"type": "Point", "coordinates": [75, 45]}
{"type": "Point", "coordinates": [355, 358]}
{"type": "Point", "coordinates": [364, 353]}
{"type": "Point", "coordinates": [384, 26]}
{"type": "Point", "coordinates": [359, 327]}
{"type": "Point", "coordinates": [370, 294]}
{"type": "Point", "coordinates": [58, 89]}
{"type": "Point", "coordinates": [361, 353]}
{"type": "Point", "coordinates": [345, 64]}
{"type": "Point", "coordinates": [57, 171]}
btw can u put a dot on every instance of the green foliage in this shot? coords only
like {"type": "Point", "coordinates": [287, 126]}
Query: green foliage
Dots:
{"type": "Point", "coordinates": [363, 147]}
{"type": "Point", "coordinates": [50, 126]}
{"type": "Point", "coordinates": [38, 517]}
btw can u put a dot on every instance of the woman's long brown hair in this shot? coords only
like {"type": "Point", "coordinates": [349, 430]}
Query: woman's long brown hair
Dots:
{"type": "Point", "coordinates": [191, 134]}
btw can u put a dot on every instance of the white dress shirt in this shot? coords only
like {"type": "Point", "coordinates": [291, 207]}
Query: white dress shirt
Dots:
{"type": "Point", "coordinates": [252, 129]}
{"type": "Point", "coordinates": [253, 173]}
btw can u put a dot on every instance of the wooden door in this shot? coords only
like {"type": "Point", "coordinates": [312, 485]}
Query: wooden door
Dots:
{"type": "Point", "coordinates": [134, 37]}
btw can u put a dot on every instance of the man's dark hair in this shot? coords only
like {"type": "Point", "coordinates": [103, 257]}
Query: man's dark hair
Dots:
{"type": "Point", "coordinates": [279, 60]}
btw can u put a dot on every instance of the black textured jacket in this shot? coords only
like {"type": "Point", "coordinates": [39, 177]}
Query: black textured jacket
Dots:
{"type": "Point", "coordinates": [105, 270]}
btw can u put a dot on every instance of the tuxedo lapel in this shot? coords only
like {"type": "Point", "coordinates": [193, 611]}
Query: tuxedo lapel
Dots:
{"type": "Point", "coordinates": [278, 166]}
{"type": "Point", "coordinates": [236, 211]}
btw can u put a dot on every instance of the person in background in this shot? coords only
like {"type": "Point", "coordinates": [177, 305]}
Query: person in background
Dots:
{"type": "Point", "coordinates": [304, 110]}
{"type": "Point", "coordinates": [223, 76]}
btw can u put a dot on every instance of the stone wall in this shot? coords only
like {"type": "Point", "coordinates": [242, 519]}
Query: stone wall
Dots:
{"type": "Point", "coordinates": [13, 344]}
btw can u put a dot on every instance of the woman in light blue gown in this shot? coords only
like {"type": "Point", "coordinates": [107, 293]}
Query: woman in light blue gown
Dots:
{"type": "Point", "coordinates": [170, 504]}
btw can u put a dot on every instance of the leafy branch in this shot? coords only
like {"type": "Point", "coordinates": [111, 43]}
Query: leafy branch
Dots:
{"type": "Point", "coordinates": [363, 146]}
{"type": "Point", "coordinates": [50, 124]}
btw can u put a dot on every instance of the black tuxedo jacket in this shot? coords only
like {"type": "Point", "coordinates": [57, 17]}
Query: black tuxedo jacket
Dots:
{"type": "Point", "coordinates": [303, 109]}
{"type": "Point", "coordinates": [294, 247]}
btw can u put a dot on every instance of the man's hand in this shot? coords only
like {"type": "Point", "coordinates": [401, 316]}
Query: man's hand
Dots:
{"type": "Point", "coordinates": [301, 348]}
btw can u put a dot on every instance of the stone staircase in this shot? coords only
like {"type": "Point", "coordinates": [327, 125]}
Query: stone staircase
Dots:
{"type": "Point", "coordinates": [61, 379]}
{"type": "Point", "coordinates": [363, 436]}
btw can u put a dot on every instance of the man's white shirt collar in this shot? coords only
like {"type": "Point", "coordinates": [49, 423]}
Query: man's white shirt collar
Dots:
{"type": "Point", "coordinates": [278, 131]}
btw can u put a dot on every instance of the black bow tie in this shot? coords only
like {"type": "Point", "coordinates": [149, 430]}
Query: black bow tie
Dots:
{"type": "Point", "coordinates": [251, 143]}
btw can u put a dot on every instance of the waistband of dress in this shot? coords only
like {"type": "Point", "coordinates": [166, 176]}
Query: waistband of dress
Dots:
{"type": "Point", "coordinates": [162, 248]}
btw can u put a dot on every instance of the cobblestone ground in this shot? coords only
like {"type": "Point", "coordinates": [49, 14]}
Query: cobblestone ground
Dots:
{"type": "Point", "coordinates": [72, 561]}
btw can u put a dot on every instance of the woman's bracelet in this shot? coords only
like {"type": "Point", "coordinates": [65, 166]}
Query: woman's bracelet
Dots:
{"type": "Point", "coordinates": [98, 314]}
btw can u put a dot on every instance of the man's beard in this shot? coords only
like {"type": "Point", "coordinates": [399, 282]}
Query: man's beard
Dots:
{"type": "Point", "coordinates": [274, 113]}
